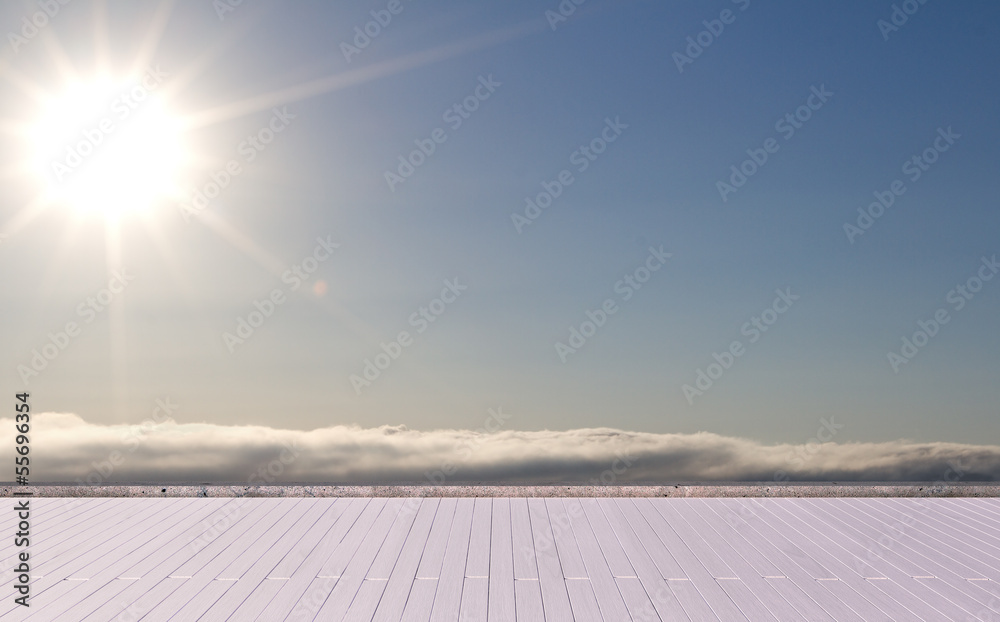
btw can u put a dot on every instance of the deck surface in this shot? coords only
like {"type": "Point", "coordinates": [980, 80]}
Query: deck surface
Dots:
{"type": "Point", "coordinates": [478, 559]}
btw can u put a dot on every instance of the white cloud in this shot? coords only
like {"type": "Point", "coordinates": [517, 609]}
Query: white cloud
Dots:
{"type": "Point", "coordinates": [65, 448]}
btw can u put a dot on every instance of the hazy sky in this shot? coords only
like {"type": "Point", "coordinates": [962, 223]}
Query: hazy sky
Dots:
{"type": "Point", "coordinates": [506, 97]}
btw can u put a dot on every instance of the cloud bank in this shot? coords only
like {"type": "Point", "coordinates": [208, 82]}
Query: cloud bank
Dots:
{"type": "Point", "coordinates": [67, 449]}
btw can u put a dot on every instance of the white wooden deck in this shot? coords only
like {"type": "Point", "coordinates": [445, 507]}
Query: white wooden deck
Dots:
{"type": "Point", "coordinates": [471, 559]}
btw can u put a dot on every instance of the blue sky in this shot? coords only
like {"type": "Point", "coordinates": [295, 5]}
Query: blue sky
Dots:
{"type": "Point", "coordinates": [323, 176]}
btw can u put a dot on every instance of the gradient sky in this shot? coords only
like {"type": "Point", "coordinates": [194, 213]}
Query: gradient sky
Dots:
{"type": "Point", "coordinates": [495, 345]}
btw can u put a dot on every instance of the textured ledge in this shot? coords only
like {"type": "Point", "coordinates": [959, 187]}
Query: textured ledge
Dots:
{"type": "Point", "coordinates": [674, 490]}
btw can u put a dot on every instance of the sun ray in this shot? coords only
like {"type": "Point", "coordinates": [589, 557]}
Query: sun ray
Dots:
{"type": "Point", "coordinates": [345, 79]}
{"type": "Point", "coordinates": [154, 35]}
{"type": "Point", "coordinates": [116, 322]}
{"type": "Point", "coordinates": [25, 215]}
{"type": "Point", "coordinates": [102, 40]}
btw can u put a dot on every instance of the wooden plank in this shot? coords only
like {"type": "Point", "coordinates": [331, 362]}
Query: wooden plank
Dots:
{"type": "Point", "coordinates": [475, 599]}
{"type": "Point", "coordinates": [478, 562]}
{"type": "Point", "coordinates": [694, 603]}
{"type": "Point", "coordinates": [400, 581]}
{"type": "Point", "coordinates": [649, 573]}
{"type": "Point", "coordinates": [437, 541]}
{"type": "Point", "coordinates": [609, 597]}
{"type": "Point", "coordinates": [286, 516]}
{"type": "Point", "coordinates": [972, 528]}
{"type": "Point", "coordinates": [903, 533]}
{"type": "Point", "coordinates": [794, 564]}
{"type": "Point", "coordinates": [976, 558]}
{"type": "Point", "coordinates": [863, 597]}
{"type": "Point", "coordinates": [555, 598]}
{"type": "Point", "coordinates": [250, 608]}
{"type": "Point", "coordinates": [746, 600]}
{"type": "Point", "coordinates": [868, 582]}
{"type": "Point", "coordinates": [640, 607]}
{"type": "Point", "coordinates": [375, 513]}
{"type": "Point", "coordinates": [153, 570]}
{"type": "Point", "coordinates": [241, 551]}
{"type": "Point", "coordinates": [788, 603]}
{"type": "Point", "coordinates": [681, 518]}
{"type": "Point", "coordinates": [501, 584]}
{"type": "Point", "coordinates": [392, 546]}
{"type": "Point", "coordinates": [448, 597]}
{"type": "Point", "coordinates": [659, 526]}
{"type": "Point", "coordinates": [377, 550]}
{"type": "Point", "coordinates": [365, 601]}
{"type": "Point", "coordinates": [565, 541]}
{"type": "Point", "coordinates": [140, 605]}
{"type": "Point", "coordinates": [331, 555]}
{"type": "Point", "coordinates": [938, 566]}
{"type": "Point", "coordinates": [254, 576]}
{"type": "Point", "coordinates": [583, 601]}
{"type": "Point", "coordinates": [191, 600]}
{"type": "Point", "coordinates": [84, 600]}
{"type": "Point", "coordinates": [528, 600]}
{"type": "Point", "coordinates": [420, 601]}
{"type": "Point", "coordinates": [54, 555]}
{"type": "Point", "coordinates": [937, 596]}
{"type": "Point", "coordinates": [611, 548]}
{"type": "Point", "coordinates": [62, 525]}
{"type": "Point", "coordinates": [321, 540]}
{"type": "Point", "coordinates": [93, 545]}
{"type": "Point", "coordinates": [730, 525]}
{"type": "Point", "coordinates": [621, 564]}
{"type": "Point", "coordinates": [314, 595]}
{"type": "Point", "coordinates": [525, 566]}
{"type": "Point", "coordinates": [242, 523]}
{"type": "Point", "coordinates": [371, 548]}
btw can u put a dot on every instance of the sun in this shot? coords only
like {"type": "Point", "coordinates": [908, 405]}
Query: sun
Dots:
{"type": "Point", "coordinates": [108, 146]}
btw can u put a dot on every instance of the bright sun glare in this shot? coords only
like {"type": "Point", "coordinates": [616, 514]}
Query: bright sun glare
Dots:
{"type": "Point", "coordinates": [107, 146]}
